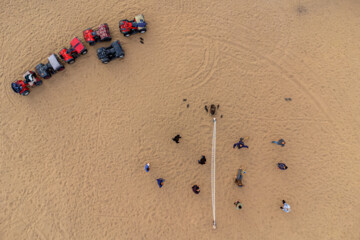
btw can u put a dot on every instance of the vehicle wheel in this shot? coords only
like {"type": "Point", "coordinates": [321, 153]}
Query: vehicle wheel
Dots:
{"type": "Point", "coordinates": [127, 34]}
{"type": "Point", "coordinates": [143, 31]}
{"type": "Point", "coordinates": [107, 39]}
{"type": "Point", "coordinates": [61, 68]}
{"type": "Point", "coordinates": [122, 56]}
{"type": "Point", "coordinates": [71, 61]}
{"type": "Point", "coordinates": [47, 76]}
{"type": "Point", "coordinates": [105, 60]}
{"type": "Point", "coordinates": [38, 83]}
{"type": "Point", "coordinates": [25, 93]}
{"type": "Point", "coordinates": [84, 52]}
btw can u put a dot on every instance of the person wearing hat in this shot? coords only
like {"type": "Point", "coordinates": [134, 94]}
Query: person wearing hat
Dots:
{"type": "Point", "coordinates": [281, 142]}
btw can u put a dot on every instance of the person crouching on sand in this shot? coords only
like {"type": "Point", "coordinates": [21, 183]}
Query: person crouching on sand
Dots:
{"type": "Point", "coordinates": [176, 138]}
{"type": "Point", "coordinates": [202, 161]}
{"type": "Point", "coordinates": [147, 167]}
{"type": "Point", "coordinates": [196, 189]}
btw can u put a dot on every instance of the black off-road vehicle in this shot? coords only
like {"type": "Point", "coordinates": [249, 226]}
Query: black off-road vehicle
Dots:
{"type": "Point", "coordinates": [46, 70]}
{"type": "Point", "coordinates": [113, 51]}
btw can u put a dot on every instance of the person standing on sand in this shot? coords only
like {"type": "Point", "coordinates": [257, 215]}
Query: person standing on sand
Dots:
{"type": "Point", "coordinates": [238, 205]}
{"type": "Point", "coordinates": [196, 189]}
{"type": "Point", "coordinates": [160, 182]}
{"type": "Point", "coordinates": [281, 142]}
{"type": "Point", "coordinates": [239, 177]}
{"type": "Point", "coordinates": [176, 138]}
{"type": "Point", "coordinates": [282, 166]}
{"type": "Point", "coordinates": [202, 161]}
{"type": "Point", "coordinates": [285, 207]}
{"type": "Point", "coordinates": [240, 144]}
{"type": "Point", "coordinates": [147, 167]}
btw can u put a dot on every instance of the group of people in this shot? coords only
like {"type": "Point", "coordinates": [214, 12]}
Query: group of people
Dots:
{"type": "Point", "coordinates": [160, 181]}
{"type": "Point", "coordinates": [238, 179]}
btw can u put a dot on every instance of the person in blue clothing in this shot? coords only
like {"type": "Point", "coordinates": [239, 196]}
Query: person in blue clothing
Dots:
{"type": "Point", "coordinates": [239, 177]}
{"type": "Point", "coordinates": [240, 144]}
{"type": "Point", "coordinates": [160, 182]}
{"type": "Point", "coordinates": [282, 166]}
{"type": "Point", "coordinates": [147, 167]}
{"type": "Point", "coordinates": [281, 142]}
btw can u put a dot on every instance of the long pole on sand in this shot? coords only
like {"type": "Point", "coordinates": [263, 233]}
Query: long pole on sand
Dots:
{"type": "Point", "coordinates": [213, 172]}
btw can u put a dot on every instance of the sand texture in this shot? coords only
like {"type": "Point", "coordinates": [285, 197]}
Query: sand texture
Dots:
{"type": "Point", "coordinates": [72, 153]}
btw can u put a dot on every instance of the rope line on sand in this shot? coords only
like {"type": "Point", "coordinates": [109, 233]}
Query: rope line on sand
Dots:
{"type": "Point", "coordinates": [213, 172]}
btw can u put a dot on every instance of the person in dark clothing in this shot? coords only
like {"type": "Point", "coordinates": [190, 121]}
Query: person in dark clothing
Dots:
{"type": "Point", "coordinates": [212, 109]}
{"type": "Point", "coordinates": [238, 205]}
{"type": "Point", "coordinates": [160, 182]}
{"type": "Point", "coordinates": [202, 161]}
{"type": "Point", "coordinates": [281, 142]}
{"type": "Point", "coordinates": [240, 144]}
{"type": "Point", "coordinates": [282, 166]}
{"type": "Point", "coordinates": [176, 138]}
{"type": "Point", "coordinates": [196, 189]}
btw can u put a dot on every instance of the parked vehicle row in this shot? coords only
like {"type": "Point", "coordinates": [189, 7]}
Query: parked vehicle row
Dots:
{"type": "Point", "coordinates": [76, 49]}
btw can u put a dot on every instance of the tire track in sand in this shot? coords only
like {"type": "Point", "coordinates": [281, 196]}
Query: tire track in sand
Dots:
{"type": "Point", "coordinates": [274, 64]}
{"type": "Point", "coordinates": [206, 70]}
{"type": "Point", "coordinates": [203, 72]}
{"type": "Point", "coordinates": [10, 98]}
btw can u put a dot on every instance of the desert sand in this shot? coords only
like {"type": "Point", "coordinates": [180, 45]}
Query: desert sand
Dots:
{"type": "Point", "coordinates": [73, 151]}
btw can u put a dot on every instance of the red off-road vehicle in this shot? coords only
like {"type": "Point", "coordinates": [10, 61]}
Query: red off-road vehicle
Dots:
{"type": "Point", "coordinates": [20, 87]}
{"type": "Point", "coordinates": [76, 48]}
{"type": "Point", "coordinates": [101, 34]}
{"type": "Point", "coordinates": [131, 27]}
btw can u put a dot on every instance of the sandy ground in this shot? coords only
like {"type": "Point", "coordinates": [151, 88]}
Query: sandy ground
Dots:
{"type": "Point", "coordinates": [73, 152]}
